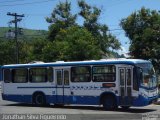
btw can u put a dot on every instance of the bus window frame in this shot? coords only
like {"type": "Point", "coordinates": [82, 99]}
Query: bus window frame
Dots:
{"type": "Point", "coordinates": [52, 74]}
{"type": "Point", "coordinates": [66, 83]}
{"type": "Point", "coordinates": [136, 79]}
{"type": "Point", "coordinates": [12, 76]}
{"type": "Point", "coordinates": [30, 76]}
{"type": "Point", "coordinates": [104, 73]}
{"type": "Point", "coordinates": [90, 74]}
{"type": "Point", "coordinates": [46, 74]}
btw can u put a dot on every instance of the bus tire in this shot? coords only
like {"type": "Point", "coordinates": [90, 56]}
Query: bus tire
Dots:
{"type": "Point", "coordinates": [109, 102]}
{"type": "Point", "coordinates": [39, 99]}
{"type": "Point", "coordinates": [58, 105]}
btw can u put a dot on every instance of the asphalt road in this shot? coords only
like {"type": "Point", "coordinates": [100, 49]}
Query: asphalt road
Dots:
{"type": "Point", "coordinates": [76, 112]}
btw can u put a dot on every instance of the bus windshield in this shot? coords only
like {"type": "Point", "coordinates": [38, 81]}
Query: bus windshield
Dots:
{"type": "Point", "coordinates": [148, 77]}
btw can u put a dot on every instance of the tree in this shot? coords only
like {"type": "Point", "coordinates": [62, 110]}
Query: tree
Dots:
{"type": "Point", "coordinates": [25, 51]}
{"type": "Point", "coordinates": [32, 50]}
{"type": "Point", "coordinates": [7, 52]}
{"type": "Point", "coordinates": [143, 29]}
{"type": "Point", "coordinates": [72, 44]}
{"type": "Point", "coordinates": [63, 21]}
{"type": "Point", "coordinates": [61, 18]}
{"type": "Point", "coordinates": [91, 15]}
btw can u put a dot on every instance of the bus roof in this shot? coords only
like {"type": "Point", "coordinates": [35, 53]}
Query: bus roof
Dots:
{"type": "Point", "coordinates": [74, 63]}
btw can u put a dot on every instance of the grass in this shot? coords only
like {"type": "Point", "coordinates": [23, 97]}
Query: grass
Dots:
{"type": "Point", "coordinates": [26, 32]}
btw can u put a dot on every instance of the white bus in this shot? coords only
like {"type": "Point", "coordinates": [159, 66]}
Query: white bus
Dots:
{"type": "Point", "coordinates": [107, 82]}
{"type": "Point", "coordinates": [0, 77]}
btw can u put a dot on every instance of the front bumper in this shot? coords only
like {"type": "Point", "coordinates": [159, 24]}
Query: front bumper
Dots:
{"type": "Point", "coordinates": [143, 101]}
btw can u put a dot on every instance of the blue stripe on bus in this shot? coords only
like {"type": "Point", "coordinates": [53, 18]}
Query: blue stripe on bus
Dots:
{"type": "Point", "coordinates": [18, 98]}
{"type": "Point", "coordinates": [90, 100]}
{"type": "Point", "coordinates": [71, 99]}
{"type": "Point", "coordinates": [142, 101]}
{"type": "Point", "coordinates": [73, 88]}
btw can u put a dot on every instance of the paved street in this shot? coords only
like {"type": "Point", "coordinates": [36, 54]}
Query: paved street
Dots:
{"type": "Point", "coordinates": [76, 112]}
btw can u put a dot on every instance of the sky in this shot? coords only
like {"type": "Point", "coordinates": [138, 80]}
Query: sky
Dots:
{"type": "Point", "coordinates": [113, 11]}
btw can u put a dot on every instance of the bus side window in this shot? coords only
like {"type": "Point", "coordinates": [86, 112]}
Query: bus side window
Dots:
{"type": "Point", "coordinates": [136, 78]}
{"type": "Point", "coordinates": [66, 77]}
{"type": "Point", "coordinates": [81, 74]}
{"type": "Point", "coordinates": [7, 75]}
{"type": "Point", "coordinates": [50, 74]}
{"type": "Point", "coordinates": [59, 77]}
{"type": "Point", "coordinates": [20, 75]}
{"type": "Point", "coordinates": [104, 73]}
{"type": "Point", "coordinates": [38, 75]}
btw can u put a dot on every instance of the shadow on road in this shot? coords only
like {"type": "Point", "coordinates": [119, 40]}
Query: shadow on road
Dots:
{"type": "Point", "coordinates": [131, 110]}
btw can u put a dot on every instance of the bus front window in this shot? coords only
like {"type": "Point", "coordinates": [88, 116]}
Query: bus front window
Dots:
{"type": "Point", "coordinates": [148, 78]}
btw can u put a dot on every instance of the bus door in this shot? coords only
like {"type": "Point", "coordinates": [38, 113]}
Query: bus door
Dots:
{"type": "Point", "coordinates": [62, 77]}
{"type": "Point", "coordinates": [125, 78]}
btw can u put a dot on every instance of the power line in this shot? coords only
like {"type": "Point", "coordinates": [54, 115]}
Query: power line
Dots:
{"type": "Point", "coordinates": [11, 1]}
{"type": "Point", "coordinates": [15, 21]}
{"type": "Point", "coordinates": [27, 35]}
{"type": "Point", "coordinates": [25, 3]}
{"type": "Point", "coordinates": [46, 34]}
{"type": "Point", "coordinates": [37, 14]}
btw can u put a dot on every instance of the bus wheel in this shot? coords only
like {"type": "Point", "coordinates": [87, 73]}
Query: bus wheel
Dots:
{"type": "Point", "coordinates": [125, 107]}
{"type": "Point", "coordinates": [39, 99]}
{"type": "Point", "coordinates": [109, 103]}
{"type": "Point", "coordinates": [58, 105]}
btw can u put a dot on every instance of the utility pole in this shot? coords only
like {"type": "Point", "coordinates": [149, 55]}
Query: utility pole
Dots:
{"type": "Point", "coordinates": [17, 18]}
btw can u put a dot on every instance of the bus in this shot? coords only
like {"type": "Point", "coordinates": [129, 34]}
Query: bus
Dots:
{"type": "Point", "coordinates": [0, 77]}
{"type": "Point", "coordinates": [0, 73]}
{"type": "Point", "coordinates": [109, 82]}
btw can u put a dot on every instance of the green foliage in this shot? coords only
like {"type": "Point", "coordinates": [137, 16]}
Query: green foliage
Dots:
{"type": "Point", "coordinates": [61, 18]}
{"type": "Point", "coordinates": [27, 33]}
{"type": "Point", "coordinates": [66, 40]}
{"type": "Point", "coordinates": [3, 31]}
{"type": "Point", "coordinates": [32, 50]}
{"type": "Point", "coordinates": [143, 29]}
{"type": "Point", "coordinates": [72, 44]}
{"type": "Point", "coordinates": [91, 16]}
{"type": "Point", "coordinates": [7, 52]}
{"type": "Point", "coordinates": [30, 46]}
